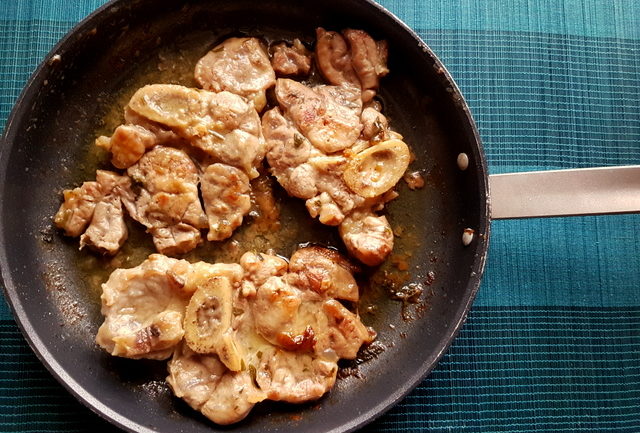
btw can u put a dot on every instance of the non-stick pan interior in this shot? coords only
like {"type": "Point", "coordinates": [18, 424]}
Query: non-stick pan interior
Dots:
{"type": "Point", "coordinates": [47, 143]}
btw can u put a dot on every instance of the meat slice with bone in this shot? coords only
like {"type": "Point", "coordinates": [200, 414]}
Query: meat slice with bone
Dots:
{"type": "Point", "coordinates": [223, 125]}
{"type": "Point", "coordinates": [168, 203]}
{"type": "Point", "coordinates": [240, 66]}
{"type": "Point", "coordinates": [144, 309]}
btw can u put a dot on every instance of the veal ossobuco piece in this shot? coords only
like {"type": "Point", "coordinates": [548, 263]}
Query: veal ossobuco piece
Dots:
{"type": "Point", "coordinates": [238, 333]}
{"type": "Point", "coordinates": [240, 66]}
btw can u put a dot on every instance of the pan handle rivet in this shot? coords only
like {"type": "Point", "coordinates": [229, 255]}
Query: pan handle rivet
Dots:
{"type": "Point", "coordinates": [467, 236]}
{"type": "Point", "coordinates": [463, 161]}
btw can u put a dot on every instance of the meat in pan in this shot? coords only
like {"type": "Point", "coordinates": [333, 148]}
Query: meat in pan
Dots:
{"type": "Point", "coordinates": [238, 333]}
{"type": "Point", "coordinates": [190, 153]}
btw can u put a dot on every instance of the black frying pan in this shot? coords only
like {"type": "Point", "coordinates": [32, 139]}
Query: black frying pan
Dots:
{"type": "Point", "coordinates": [46, 143]}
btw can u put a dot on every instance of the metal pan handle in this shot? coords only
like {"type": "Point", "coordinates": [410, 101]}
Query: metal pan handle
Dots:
{"type": "Point", "coordinates": [585, 191]}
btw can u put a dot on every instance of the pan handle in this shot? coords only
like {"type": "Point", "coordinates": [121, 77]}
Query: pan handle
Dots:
{"type": "Point", "coordinates": [585, 191]}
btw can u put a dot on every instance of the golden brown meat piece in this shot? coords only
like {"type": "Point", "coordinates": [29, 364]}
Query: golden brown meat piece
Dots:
{"type": "Point", "coordinates": [323, 271]}
{"type": "Point", "coordinates": [368, 237]}
{"type": "Point", "coordinates": [144, 309]}
{"type": "Point", "coordinates": [369, 60]}
{"type": "Point", "coordinates": [355, 59]}
{"type": "Point", "coordinates": [329, 116]}
{"type": "Point", "coordinates": [294, 378]}
{"type": "Point", "coordinates": [127, 144]}
{"type": "Point", "coordinates": [107, 231]}
{"type": "Point", "coordinates": [297, 311]}
{"type": "Point", "coordinates": [225, 192]}
{"type": "Point", "coordinates": [292, 59]}
{"type": "Point", "coordinates": [168, 203]}
{"type": "Point", "coordinates": [223, 125]}
{"type": "Point", "coordinates": [240, 66]}
{"type": "Point", "coordinates": [95, 208]}
{"type": "Point", "coordinates": [334, 58]}
{"type": "Point", "coordinates": [77, 209]}
{"type": "Point", "coordinates": [223, 396]}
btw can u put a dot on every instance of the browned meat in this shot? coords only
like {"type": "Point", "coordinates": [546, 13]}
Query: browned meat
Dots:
{"type": "Point", "coordinates": [297, 311]}
{"type": "Point", "coordinates": [225, 191]}
{"type": "Point", "coordinates": [107, 231]}
{"type": "Point", "coordinates": [369, 60]}
{"type": "Point", "coordinates": [127, 144]}
{"type": "Point", "coordinates": [336, 199]}
{"type": "Point", "coordinates": [144, 309]}
{"type": "Point", "coordinates": [291, 60]}
{"type": "Point", "coordinates": [355, 60]}
{"type": "Point", "coordinates": [276, 309]}
{"type": "Point", "coordinates": [206, 385]}
{"type": "Point", "coordinates": [368, 237]}
{"type": "Point", "coordinates": [258, 267]}
{"type": "Point", "coordinates": [294, 378]}
{"type": "Point", "coordinates": [375, 125]}
{"type": "Point", "coordinates": [96, 207]}
{"type": "Point", "coordinates": [234, 347]}
{"type": "Point", "coordinates": [240, 66]}
{"type": "Point", "coordinates": [329, 116]}
{"type": "Point", "coordinates": [334, 58]}
{"type": "Point", "coordinates": [168, 203]}
{"type": "Point", "coordinates": [323, 271]}
{"type": "Point", "coordinates": [306, 172]}
{"type": "Point", "coordinates": [223, 124]}
{"type": "Point", "coordinates": [77, 209]}
{"type": "Point", "coordinates": [293, 370]}
{"type": "Point", "coordinates": [302, 168]}
{"type": "Point", "coordinates": [288, 152]}
{"type": "Point", "coordinates": [343, 333]}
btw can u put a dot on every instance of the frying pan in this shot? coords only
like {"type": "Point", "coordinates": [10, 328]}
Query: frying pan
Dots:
{"type": "Point", "coordinates": [50, 132]}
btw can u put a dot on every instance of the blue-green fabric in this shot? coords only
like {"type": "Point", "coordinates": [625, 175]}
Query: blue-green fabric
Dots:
{"type": "Point", "coordinates": [553, 342]}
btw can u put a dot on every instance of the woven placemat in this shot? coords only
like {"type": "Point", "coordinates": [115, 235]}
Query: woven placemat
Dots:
{"type": "Point", "coordinates": [553, 340]}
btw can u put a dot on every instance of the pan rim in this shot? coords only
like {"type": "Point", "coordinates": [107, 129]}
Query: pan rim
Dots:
{"type": "Point", "coordinates": [39, 347]}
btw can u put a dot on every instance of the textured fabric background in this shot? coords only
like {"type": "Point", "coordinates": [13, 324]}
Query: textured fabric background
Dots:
{"type": "Point", "coordinates": [553, 341]}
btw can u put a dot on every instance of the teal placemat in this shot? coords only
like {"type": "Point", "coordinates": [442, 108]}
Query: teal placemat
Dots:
{"type": "Point", "coordinates": [553, 341]}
